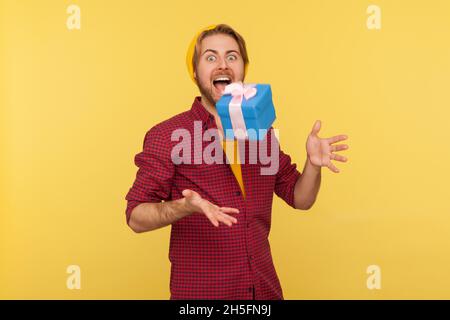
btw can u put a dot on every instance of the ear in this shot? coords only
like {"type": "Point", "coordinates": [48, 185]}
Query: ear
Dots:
{"type": "Point", "coordinates": [195, 75]}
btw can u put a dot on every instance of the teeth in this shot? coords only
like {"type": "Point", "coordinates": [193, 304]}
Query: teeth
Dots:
{"type": "Point", "coordinates": [222, 79]}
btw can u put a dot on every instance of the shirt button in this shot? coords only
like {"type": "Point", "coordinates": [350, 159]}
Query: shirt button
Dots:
{"type": "Point", "coordinates": [251, 257]}
{"type": "Point", "coordinates": [250, 289]}
{"type": "Point", "coordinates": [238, 193]}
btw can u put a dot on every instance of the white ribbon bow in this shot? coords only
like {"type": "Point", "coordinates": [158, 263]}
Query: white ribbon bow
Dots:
{"type": "Point", "coordinates": [238, 91]}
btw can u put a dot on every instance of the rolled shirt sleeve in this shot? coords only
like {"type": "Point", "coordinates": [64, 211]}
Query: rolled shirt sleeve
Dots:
{"type": "Point", "coordinates": [286, 179]}
{"type": "Point", "coordinates": [154, 177]}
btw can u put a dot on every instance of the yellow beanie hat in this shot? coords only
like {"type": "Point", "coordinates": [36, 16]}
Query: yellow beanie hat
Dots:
{"type": "Point", "coordinates": [191, 50]}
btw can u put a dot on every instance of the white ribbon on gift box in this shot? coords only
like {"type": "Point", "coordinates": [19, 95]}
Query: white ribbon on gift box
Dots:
{"type": "Point", "coordinates": [238, 91]}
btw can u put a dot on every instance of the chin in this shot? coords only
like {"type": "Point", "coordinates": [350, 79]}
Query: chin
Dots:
{"type": "Point", "coordinates": [216, 96]}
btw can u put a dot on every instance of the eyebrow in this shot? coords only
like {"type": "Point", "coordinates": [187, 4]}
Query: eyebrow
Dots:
{"type": "Point", "coordinates": [216, 52]}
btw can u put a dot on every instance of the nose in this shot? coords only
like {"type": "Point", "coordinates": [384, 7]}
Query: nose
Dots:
{"type": "Point", "coordinates": [223, 64]}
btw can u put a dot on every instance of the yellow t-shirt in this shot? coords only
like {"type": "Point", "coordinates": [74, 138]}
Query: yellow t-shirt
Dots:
{"type": "Point", "coordinates": [236, 164]}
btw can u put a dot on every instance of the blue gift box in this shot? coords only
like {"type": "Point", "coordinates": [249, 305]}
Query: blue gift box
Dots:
{"type": "Point", "coordinates": [258, 112]}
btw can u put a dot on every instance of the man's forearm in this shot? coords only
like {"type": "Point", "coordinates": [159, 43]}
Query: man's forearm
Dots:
{"type": "Point", "coordinates": [307, 186]}
{"type": "Point", "coordinates": [151, 216]}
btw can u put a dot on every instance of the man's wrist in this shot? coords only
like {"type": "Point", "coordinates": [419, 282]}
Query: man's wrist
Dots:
{"type": "Point", "coordinates": [186, 207]}
{"type": "Point", "coordinates": [312, 166]}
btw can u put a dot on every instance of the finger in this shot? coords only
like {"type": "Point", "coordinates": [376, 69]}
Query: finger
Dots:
{"type": "Point", "coordinates": [212, 218]}
{"type": "Point", "coordinates": [333, 168]}
{"type": "Point", "coordinates": [229, 221]}
{"type": "Point", "coordinates": [216, 218]}
{"type": "Point", "coordinates": [228, 218]}
{"type": "Point", "coordinates": [337, 138]}
{"type": "Point", "coordinates": [338, 157]}
{"type": "Point", "coordinates": [338, 147]}
{"type": "Point", "coordinates": [224, 220]}
{"type": "Point", "coordinates": [216, 215]}
{"type": "Point", "coordinates": [316, 127]}
{"type": "Point", "coordinates": [229, 210]}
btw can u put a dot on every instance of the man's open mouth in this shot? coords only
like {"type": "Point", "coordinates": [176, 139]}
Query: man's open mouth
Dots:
{"type": "Point", "coordinates": [221, 82]}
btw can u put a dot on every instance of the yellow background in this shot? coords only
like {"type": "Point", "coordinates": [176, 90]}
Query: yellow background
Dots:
{"type": "Point", "coordinates": [75, 106]}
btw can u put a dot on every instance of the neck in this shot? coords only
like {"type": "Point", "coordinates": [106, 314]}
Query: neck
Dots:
{"type": "Point", "coordinates": [209, 106]}
{"type": "Point", "coordinates": [212, 109]}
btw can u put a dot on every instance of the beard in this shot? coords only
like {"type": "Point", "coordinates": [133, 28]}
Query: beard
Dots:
{"type": "Point", "coordinates": [207, 94]}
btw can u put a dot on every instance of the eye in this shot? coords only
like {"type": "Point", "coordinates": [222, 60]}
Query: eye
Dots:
{"type": "Point", "coordinates": [211, 58]}
{"type": "Point", "coordinates": [232, 57]}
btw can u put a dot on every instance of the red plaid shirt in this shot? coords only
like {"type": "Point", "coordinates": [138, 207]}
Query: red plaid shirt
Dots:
{"type": "Point", "coordinates": [210, 262]}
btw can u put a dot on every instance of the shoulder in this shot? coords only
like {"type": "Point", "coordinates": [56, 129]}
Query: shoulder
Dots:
{"type": "Point", "coordinates": [162, 132]}
{"type": "Point", "coordinates": [181, 120]}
